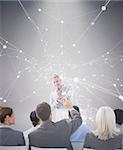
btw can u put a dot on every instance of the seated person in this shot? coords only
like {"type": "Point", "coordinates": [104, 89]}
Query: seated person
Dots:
{"type": "Point", "coordinates": [35, 122]}
{"type": "Point", "coordinates": [8, 136]}
{"type": "Point", "coordinates": [119, 119]}
{"type": "Point", "coordinates": [106, 136]}
{"type": "Point", "coordinates": [54, 135]}
{"type": "Point", "coordinates": [80, 134]}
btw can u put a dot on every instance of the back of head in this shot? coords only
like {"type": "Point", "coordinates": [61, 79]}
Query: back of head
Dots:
{"type": "Point", "coordinates": [43, 111]}
{"type": "Point", "coordinates": [34, 119]}
{"type": "Point", "coordinates": [106, 124]}
{"type": "Point", "coordinates": [4, 113]}
{"type": "Point", "coordinates": [119, 116]}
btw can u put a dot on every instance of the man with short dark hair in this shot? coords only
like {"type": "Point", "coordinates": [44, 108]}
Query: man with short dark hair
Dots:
{"type": "Point", "coordinates": [8, 136]}
{"type": "Point", "coordinates": [54, 135]}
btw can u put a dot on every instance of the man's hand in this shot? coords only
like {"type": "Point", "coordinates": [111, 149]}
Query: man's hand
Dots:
{"type": "Point", "coordinates": [68, 104]}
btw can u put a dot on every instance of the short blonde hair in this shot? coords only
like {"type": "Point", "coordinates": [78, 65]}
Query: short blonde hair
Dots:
{"type": "Point", "coordinates": [106, 123]}
{"type": "Point", "coordinates": [55, 76]}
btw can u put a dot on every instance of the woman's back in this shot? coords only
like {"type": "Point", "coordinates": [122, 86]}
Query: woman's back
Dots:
{"type": "Point", "coordinates": [94, 142]}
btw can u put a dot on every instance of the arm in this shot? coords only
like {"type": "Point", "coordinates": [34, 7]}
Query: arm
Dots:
{"type": "Point", "coordinates": [76, 117]}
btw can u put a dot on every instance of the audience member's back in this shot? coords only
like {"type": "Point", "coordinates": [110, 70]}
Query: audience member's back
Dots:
{"type": "Point", "coordinates": [119, 119]}
{"type": "Point", "coordinates": [8, 136]}
{"type": "Point", "coordinates": [106, 136]}
{"type": "Point", "coordinates": [51, 134]}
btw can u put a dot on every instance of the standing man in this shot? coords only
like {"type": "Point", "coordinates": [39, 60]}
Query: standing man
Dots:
{"type": "Point", "coordinates": [61, 94]}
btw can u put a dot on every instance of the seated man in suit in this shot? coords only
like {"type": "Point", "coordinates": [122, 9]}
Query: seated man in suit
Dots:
{"type": "Point", "coordinates": [8, 136]}
{"type": "Point", "coordinates": [54, 135]}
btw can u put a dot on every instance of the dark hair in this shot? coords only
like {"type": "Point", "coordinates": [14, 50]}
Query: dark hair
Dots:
{"type": "Point", "coordinates": [34, 119]}
{"type": "Point", "coordinates": [4, 112]}
{"type": "Point", "coordinates": [76, 108]}
{"type": "Point", "coordinates": [119, 116]}
{"type": "Point", "coordinates": [43, 111]}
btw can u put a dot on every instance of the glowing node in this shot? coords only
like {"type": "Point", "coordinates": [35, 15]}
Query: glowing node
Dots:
{"type": "Point", "coordinates": [6, 41]}
{"type": "Point", "coordinates": [18, 76]}
{"type": "Point", "coordinates": [103, 8]}
{"type": "Point", "coordinates": [84, 79]}
{"type": "Point", "coordinates": [74, 45]}
{"type": "Point", "coordinates": [1, 98]}
{"type": "Point", "coordinates": [29, 18]}
{"type": "Point", "coordinates": [76, 79]}
{"type": "Point", "coordinates": [78, 52]}
{"type": "Point", "coordinates": [20, 51]}
{"type": "Point", "coordinates": [34, 92]}
{"type": "Point", "coordinates": [4, 46]}
{"type": "Point", "coordinates": [121, 97]}
{"type": "Point", "coordinates": [107, 53]}
{"type": "Point", "coordinates": [4, 100]}
{"type": "Point", "coordinates": [77, 87]}
{"type": "Point", "coordinates": [121, 59]}
{"type": "Point", "coordinates": [114, 85]}
{"type": "Point", "coordinates": [92, 86]}
{"type": "Point", "coordinates": [92, 23]}
{"type": "Point", "coordinates": [62, 21]}
{"type": "Point", "coordinates": [121, 85]}
{"type": "Point", "coordinates": [39, 9]}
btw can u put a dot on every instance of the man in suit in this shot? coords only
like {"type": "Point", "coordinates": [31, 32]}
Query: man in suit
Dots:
{"type": "Point", "coordinates": [54, 135]}
{"type": "Point", "coordinates": [8, 136]}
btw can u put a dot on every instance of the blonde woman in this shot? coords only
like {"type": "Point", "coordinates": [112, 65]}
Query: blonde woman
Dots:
{"type": "Point", "coordinates": [106, 136]}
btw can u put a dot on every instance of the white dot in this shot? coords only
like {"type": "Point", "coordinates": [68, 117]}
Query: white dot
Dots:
{"type": "Point", "coordinates": [114, 85]}
{"type": "Point", "coordinates": [62, 21]}
{"type": "Point", "coordinates": [34, 92]}
{"type": "Point", "coordinates": [74, 45]}
{"type": "Point", "coordinates": [29, 18]}
{"type": "Point", "coordinates": [4, 100]}
{"type": "Point", "coordinates": [1, 98]}
{"type": "Point", "coordinates": [121, 97]}
{"type": "Point", "coordinates": [76, 79]}
{"type": "Point", "coordinates": [107, 53]}
{"type": "Point", "coordinates": [39, 9]}
{"type": "Point", "coordinates": [18, 76]}
{"type": "Point", "coordinates": [103, 8]}
{"type": "Point", "coordinates": [6, 41]}
{"type": "Point", "coordinates": [4, 46]}
{"type": "Point", "coordinates": [92, 86]}
{"type": "Point", "coordinates": [20, 51]}
{"type": "Point", "coordinates": [121, 85]}
{"type": "Point", "coordinates": [92, 23]}
{"type": "Point", "coordinates": [121, 59]}
{"type": "Point", "coordinates": [84, 79]}
{"type": "Point", "coordinates": [78, 52]}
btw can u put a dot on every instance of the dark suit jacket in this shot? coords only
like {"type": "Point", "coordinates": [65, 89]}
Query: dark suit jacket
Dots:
{"type": "Point", "coordinates": [91, 141]}
{"type": "Point", "coordinates": [55, 135]}
{"type": "Point", "coordinates": [10, 137]}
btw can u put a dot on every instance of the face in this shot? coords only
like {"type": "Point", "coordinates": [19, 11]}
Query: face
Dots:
{"type": "Point", "coordinates": [12, 119]}
{"type": "Point", "coordinates": [57, 82]}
